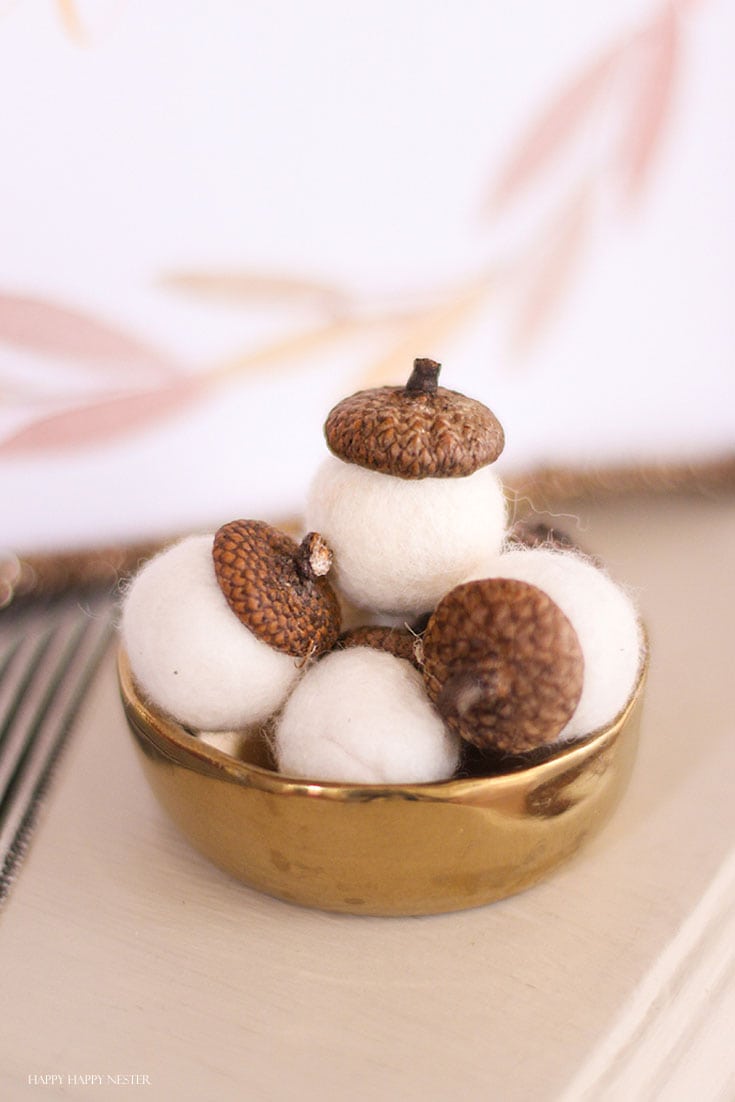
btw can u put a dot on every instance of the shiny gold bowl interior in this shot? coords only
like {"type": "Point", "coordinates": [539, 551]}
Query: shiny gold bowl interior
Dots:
{"type": "Point", "coordinates": [404, 849]}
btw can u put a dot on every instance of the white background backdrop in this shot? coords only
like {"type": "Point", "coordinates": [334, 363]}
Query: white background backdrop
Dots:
{"type": "Point", "coordinates": [538, 195]}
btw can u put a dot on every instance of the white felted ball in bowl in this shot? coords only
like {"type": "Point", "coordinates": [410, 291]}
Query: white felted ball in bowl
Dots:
{"type": "Point", "coordinates": [400, 544]}
{"type": "Point", "coordinates": [603, 616]}
{"type": "Point", "coordinates": [362, 716]}
{"type": "Point", "coordinates": [188, 651]}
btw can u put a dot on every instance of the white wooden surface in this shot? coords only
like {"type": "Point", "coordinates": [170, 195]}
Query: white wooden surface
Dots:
{"type": "Point", "coordinates": [124, 952]}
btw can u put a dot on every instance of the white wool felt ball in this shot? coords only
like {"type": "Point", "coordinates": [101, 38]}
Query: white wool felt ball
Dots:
{"type": "Point", "coordinates": [362, 716]}
{"type": "Point", "coordinates": [603, 616]}
{"type": "Point", "coordinates": [188, 651]}
{"type": "Point", "coordinates": [400, 544]}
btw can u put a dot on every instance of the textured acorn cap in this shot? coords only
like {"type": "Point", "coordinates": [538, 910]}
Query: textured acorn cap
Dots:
{"type": "Point", "coordinates": [420, 430]}
{"type": "Point", "coordinates": [277, 587]}
{"type": "Point", "coordinates": [398, 641]}
{"type": "Point", "coordinates": [502, 664]}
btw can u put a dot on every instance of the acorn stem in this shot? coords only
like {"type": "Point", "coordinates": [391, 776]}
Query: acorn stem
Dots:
{"type": "Point", "coordinates": [313, 557]}
{"type": "Point", "coordinates": [424, 377]}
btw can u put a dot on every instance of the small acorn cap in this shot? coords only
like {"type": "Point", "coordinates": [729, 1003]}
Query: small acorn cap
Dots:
{"type": "Point", "coordinates": [537, 533]}
{"type": "Point", "coordinates": [400, 642]}
{"type": "Point", "coordinates": [420, 430]}
{"type": "Point", "coordinates": [502, 664]}
{"type": "Point", "coordinates": [278, 588]}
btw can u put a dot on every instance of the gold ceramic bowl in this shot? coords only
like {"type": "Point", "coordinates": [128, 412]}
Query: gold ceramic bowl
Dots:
{"type": "Point", "coordinates": [382, 849]}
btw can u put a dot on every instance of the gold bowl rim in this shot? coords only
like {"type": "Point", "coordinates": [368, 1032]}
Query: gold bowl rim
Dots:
{"type": "Point", "coordinates": [188, 749]}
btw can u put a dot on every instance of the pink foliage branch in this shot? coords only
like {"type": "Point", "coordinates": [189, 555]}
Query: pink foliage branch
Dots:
{"type": "Point", "coordinates": [650, 59]}
{"type": "Point", "coordinates": [543, 273]}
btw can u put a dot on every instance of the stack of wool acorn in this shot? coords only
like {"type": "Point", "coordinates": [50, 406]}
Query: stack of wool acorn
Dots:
{"type": "Point", "coordinates": [461, 632]}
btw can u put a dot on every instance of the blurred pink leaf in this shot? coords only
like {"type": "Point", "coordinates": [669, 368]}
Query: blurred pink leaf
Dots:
{"type": "Point", "coordinates": [84, 20]}
{"type": "Point", "coordinates": [652, 100]}
{"type": "Point", "coordinates": [291, 351]}
{"type": "Point", "coordinates": [101, 421]}
{"type": "Point", "coordinates": [248, 287]}
{"type": "Point", "coordinates": [52, 330]}
{"type": "Point", "coordinates": [556, 125]}
{"type": "Point", "coordinates": [70, 19]}
{"type": "Point", "coordinates": [548, 270]}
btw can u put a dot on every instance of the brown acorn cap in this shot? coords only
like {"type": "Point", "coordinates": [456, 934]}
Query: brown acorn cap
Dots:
{"type": "Point", "coordinates": [276, 587]}
{"type": "Point", "coordinates": [502, 664]}
{"type": "Point", "coordinates": [420, 430]}
{"type": "Point", "coordinates": [398, 641]}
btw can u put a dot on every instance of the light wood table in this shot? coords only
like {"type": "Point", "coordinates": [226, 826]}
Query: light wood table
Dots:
{"type": "Point", "coordinates": [125, 953]}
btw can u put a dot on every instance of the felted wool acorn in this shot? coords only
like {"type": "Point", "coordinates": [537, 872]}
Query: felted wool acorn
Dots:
{"type": "Point", "coordinates": [604, 619]}
{"type": "Point", "coordinates": [362, 716]}
{"type": "Point", "coordinates": [408, 502]}
{"type": "Point", "coordinates": [503, 665]}
{"type": "Point", "coordinates": [218, 628]}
